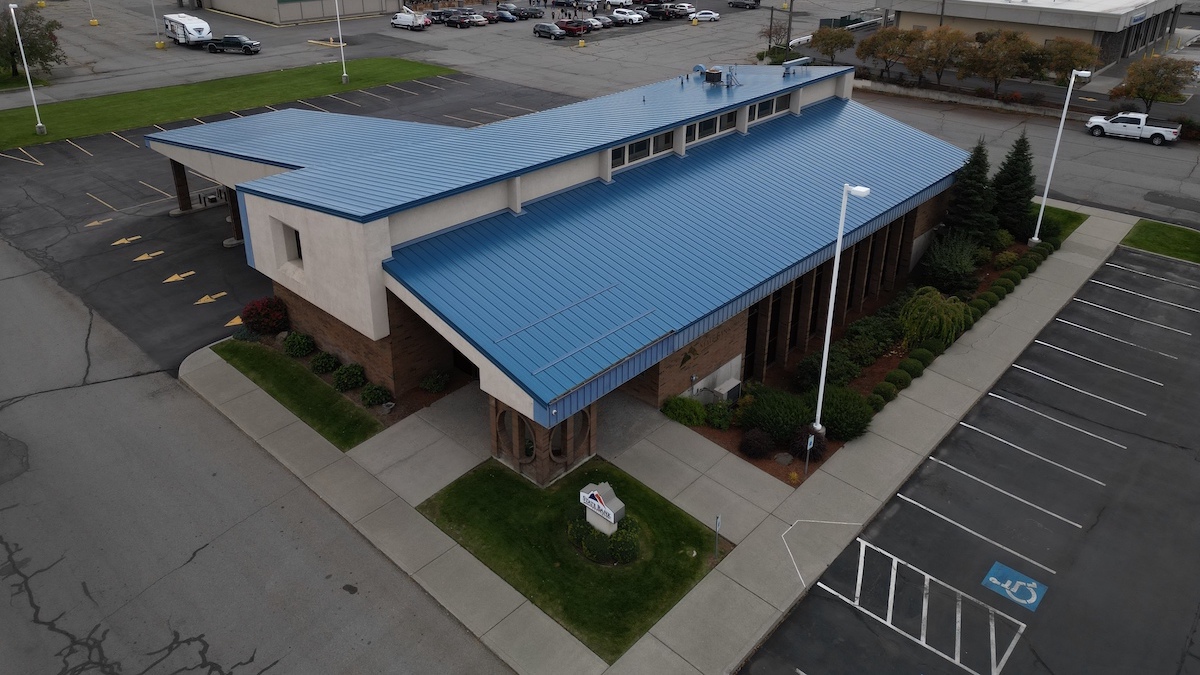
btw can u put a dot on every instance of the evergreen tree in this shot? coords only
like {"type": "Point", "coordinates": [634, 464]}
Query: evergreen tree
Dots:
{"type": "Point", "coordinates": [972, 204]}
{"type": "Point", "coordinates": [1014, 190]}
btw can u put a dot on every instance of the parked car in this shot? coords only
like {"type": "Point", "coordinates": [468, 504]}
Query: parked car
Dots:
{"type": "Point", "coordinates": [705, 15]}
{"type": "Point", "coordinates": [641, 11]}
{"type": "Point", "coordinates": [746, 4]}
{"type": "Point", "coordinates": [562, 3]}
{"type": "Point", "coordinates": [529, 13]}
{"type": "Point", "coordinates": [605, 22]}
{"type": "Point", "coordinates": [660, 12]}
{"type": "Point", "coordinates": [436, 15]}
{"type": "Point", "coordinates": [628, 15]}
{"type": "Point", "coordinates": [478, 20]}
{"type": "Point", "coordinates": [548, 30]}
{"type": "Point", "coordinates": [592, 23]}
{"type": "Point", "coordinates": [586, 5]}
{"type": "Point", "coordinates": [506, 6]}
{"type": "Point", "coordinates": [491, 17]}
{"type": "Point", "coordinates": [683, 8]}
{"type": "Point", "coordinates": [505, 16]}
{"type": "Point", "coordinates": [620, 3]}
{"type": "Point", "coordinates": [238, 43]}
{"type": "Point", "coordinates": [1135, 125]}
{"type": "Point", "coordinates": [457, 20]}
{"type": "Point", "coordinates": [572, 27]}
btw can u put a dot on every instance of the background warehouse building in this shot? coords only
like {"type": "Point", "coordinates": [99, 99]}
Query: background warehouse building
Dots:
{"type": "Point", "coordinates": [681, 250]}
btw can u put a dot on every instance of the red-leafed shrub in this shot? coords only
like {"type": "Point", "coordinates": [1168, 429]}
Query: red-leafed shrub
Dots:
{"type": "Point", "coordinates": [265, 316]}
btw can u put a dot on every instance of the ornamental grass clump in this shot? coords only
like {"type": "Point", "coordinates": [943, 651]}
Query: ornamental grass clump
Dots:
{"type": "Point", "coordinates": [929, 315]}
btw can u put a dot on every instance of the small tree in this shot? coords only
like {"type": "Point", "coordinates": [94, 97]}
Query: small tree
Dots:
{"type": "Point", "coordinates": [973, 202]}
{"type": "Point", "coordinates": [1154, 79]}
{"type": "Point", "coordinates": [775, 33]}
{"type": "Point", "coordinates": [929, 315]}
{"type": "Point", "coordinates": [37, 35]}
{"type": "Point", "coordinates": [829, 41]}
{"type": "Point", "coordinates": [886, 47]}
{"type": "Point", "coordinates": [1014, 188]}
{"type": "Point", "coordinates": [1066, 54]}
{"type": "Point", "coordinates": [944, 46]}
{"type": "Point", "coordinates": [917, 58]}
{"type": "Point", "coordinates": [998, 55]}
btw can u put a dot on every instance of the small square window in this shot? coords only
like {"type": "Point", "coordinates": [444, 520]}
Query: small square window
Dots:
{"type": "Point", "coordinates": [639, 150]}
{"type": "Point", "coordinates": [708, 127]}
{"type": "Point", "coordinates": [690, 135]}
{"type": "Point", "coordinates": [664, 142]}
{"type": "Point", "coordinates": [618, 157]}
{"type": "Point", "coordinates": [765, 108]}
{"type": "Point", "coordinates": [291, 242]}
{"type": "Point", "coordinates": [728, 120]}
{"type": "Point", "coordinates": [783, 103]}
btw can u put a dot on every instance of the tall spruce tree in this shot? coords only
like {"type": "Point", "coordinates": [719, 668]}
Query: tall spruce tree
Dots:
{"type": "Point", "coordinates": [1014, 190]}
{"type": "Point", "coordinates": [973, 203]}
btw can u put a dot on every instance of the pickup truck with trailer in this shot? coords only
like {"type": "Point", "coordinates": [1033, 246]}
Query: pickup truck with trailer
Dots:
{"type": "Point", "coordinates": [1135, 125]}
{"type": "Point", "coordinates": [235, 43]}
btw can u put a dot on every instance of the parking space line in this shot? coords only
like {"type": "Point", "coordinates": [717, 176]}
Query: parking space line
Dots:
{"type": "Point", "coordinates": [32, 160]}
{"type": "Point", "coordinates": [158, 127]}
{"type": "Point", "coordinates": [964, 528]}
{"type": "Point", "coordinates": [1058, 421]}
{"type": "Point", "coordinates": [79, 148]}
{"type": "Point", "coordinates": [492, 113]}
{"type": "Point", "coordinates": [165, 194]}
{"type": "Point", "coordinates": [1074, 388]}
{"type": "Point", "coordinates": [364, 91]}
{"type": "Point", "coordinates": [126, 140]}
{"type": "Point", "coordinates": [1014, 446]}
{"type": "Point", "coordinates": [110, 206]}
{"type": "Point", "coordinates": [356, 105]}
{"type": "Point", "coordinates": [516, 107]}
{"type": "Point", "coordinates": [300, 100]}
{"type": "Point", "coordinates": [431, 86]}
{"type": "Point", "coordinates": [449, 79]}
{"type": "Point", "coordinates": [235, 114]}
{"type": "Point", "coordinates": [1143, 295]}
{"type": "Point", "coordinates": [1130, 316]}
{"type": "Point", "coordinates": [1144, 274]}
{"type": "Point", "coordinates": [270, 108]}
{"type": "Point", "coordinates": [392, 86]}
{"type": "Point", "coordinates": [1004, 492]}
{"type": "Point", "coordinates": [460, 119]}
{"type": "Point", "coordinates": [1102, 365]}
{"type": "Point", "coordinates": [1116, 339]}
{"type": "Point", "coordinates": [199, 120]}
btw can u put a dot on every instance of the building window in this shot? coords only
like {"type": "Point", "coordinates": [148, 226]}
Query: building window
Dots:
{"type": "Point", "coordinates": [708, 127]}
{"type": "Point", "coordinates": [691, 133]}
{"type": "Point", "coordinates": [618, 157]}
{"type": "Point", "coordinates": [291, 242]}
{"type": "Point", "coordinates": [752, 113]}
{"type": "Point", "coordinates": [728, 120]}
{"type": "Point", "coordinates": [765, 108]}
{"type": "Point", "coordinates": [783, 103]}
{"type": "Point", "coordinates": [639, 150]}
{"type": "Point", "coordinates": [664, 142]}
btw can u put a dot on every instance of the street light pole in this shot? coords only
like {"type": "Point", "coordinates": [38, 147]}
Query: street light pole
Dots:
{"type": "Point", "coordinates": [337, 12]}
{"type": "Point", "coordinates": [1054, 155]}
{"type": "Point", "coordinates": [847, 190]}
{"type": "Point", "coordinates": [39, 129]}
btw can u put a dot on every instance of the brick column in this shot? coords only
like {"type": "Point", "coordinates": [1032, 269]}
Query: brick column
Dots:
{"type": "Point", "coordinates": [843, 289]}
{"type": "Point", "coordinates": [787, 298]}
{"type": "Point", "coordinates": [182, 195]}
{"type": "Point", "coordinates": [762, 333]}
{"type": "Point", "coordinates": [806, 297]}
{"type": "Point", "coordinates": [875, 271]}
{"type": "Point", "coordinates": [862, 266]}
{"type": "Point", "coordinates": [891, 256]}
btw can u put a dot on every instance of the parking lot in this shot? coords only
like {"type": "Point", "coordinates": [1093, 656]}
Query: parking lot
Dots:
{"type": "Point", "coordinates": [1052, 531]}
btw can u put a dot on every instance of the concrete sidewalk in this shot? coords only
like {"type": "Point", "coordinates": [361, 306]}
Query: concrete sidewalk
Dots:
{"type": "Point", "coordinates": [377, 485]}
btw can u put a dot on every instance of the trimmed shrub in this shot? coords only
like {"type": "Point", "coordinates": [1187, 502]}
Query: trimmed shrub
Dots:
{"type": "Point", "coordinates": [881, 330]}
{"type": "Point", "coordinates": [686, 411]}
{"type": "Point", "coordinates": [861, 350]}
{"type": "Point", "coordinates": [983, 256]}
{"type": "Point", "coordinates": [757, 444]}
{"type": "Point", "coordinates": [990, 298]}
{"type": "Point", "coordinates": [798, 446]}
{"type": "Point", "coordinates": [777, 413]}
{"type": "Point", "coordinates": [979, 304]}
{"type": "Point", "coordinates": [876, 402]}
{"type": "Point", "coordinates": [998, 291]}
{"type": "Point", "coordinates": [1006, 283]}
{"type": "Point", "coordinates": [265, 316]}
{"type": "Point", "coordinates": [949, 264]}
{"type": "Point", "coordinates": [718, 415]}
{"type": "Point", "coordinates": [912, 367]}
{"type": "Point", "coordinates": [1036, 255]}
{"type": "Point", "coordinates": [885, 390]}
{"type": "Point", "coordinates": [1056, 242]}
{"type": "Point", "coordinates": [324, 362]}
{"type": "Point", "coordinates": [374, 394]}
{"type": "Point", "coordinates": [1001, 239]}
{"type": "Point", "coordinates": [1047, 249]}
{"type": "Point", "coordinates": [245, 335]}
{"type": "Point", "coordinates": [622, 547]}
{"type": "Point", "coordinates": [1011, 276]}
{"type": "Point", "coordinates": [1005, 260]}
{"type": "Point", "coordinates": [929, 315]}
{"type": "Point", "coordinates": [925, 356]}
{"type": "Point", "coordinates": [435, 382]}
{"type": "Point", "coordinates": [1029, 263]}
{"type": "Point", "coordinates": [976, 313]}
{"type": "Point", "coordinates": [899, 378]}
{"type": "Point", "coordinates": [842, 368]}
{"type": "Point", "coordinates": [349, 376]}
{"type": "Point", "coordinates": [297, 345]}
{"type": "Point", "coordinates": [934, 345]}
{"type": "Point", "coordinates": [846, 414]}
{"type": "Point", "coordinates": [1021, 270]}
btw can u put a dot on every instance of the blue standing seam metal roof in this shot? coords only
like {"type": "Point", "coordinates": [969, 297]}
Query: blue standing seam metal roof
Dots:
{"type": "Point", "coordinates": [588, 278]}
{"type": "Point", "coordinates": [384, 169]}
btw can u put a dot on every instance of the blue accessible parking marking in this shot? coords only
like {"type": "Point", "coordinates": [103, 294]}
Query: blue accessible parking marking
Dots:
{"type": "Point", "coordinates": [1004, 580]}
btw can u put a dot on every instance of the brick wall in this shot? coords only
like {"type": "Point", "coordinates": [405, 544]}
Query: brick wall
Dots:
{"type": "Point", "coordinates": [338, 339]}
{"type": "Point", "coordinates": [417, 349]}
{"type": "Point", "coordinates": [702, 356]}
{"type": "Point", "coordinates": [931, 213]}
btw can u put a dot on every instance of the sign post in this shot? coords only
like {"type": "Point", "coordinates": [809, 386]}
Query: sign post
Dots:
{"type": "Point", "coordinates": [717, 538]}
{"type": "Point", "coordinates": [812, 438]}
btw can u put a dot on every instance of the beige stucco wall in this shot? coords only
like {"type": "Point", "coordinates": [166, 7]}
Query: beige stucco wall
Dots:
{"type": "Point", "coordinates": [312, 10]}
{"type": "Point", "coordinates": [225, 170]}
{"type": "Point", "coordinates": [263, 10]}
{"type": "Point", "coordinates": [1038, 34]}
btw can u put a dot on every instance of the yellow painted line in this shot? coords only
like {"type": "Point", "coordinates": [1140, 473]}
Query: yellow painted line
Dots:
{"type": "Point", "coordinates": [147, 256]}
{"type": "Point", "coordinates": [110, 206]}
{"type": "Point", "coordinates": [178, 277]}
{"type": "Point", "coordinates": [450, 79]}
{"type": "Point", "coordinates": [210, 298]}
{"type": "Point", "coordinates": [491, 113]}
{"type": "Point", "coordinates": [126, 240]}
{"type": "Point", "coordinates": [235, 321]}
{"type": "Point", "coordinates": [300, 100]}
{"type": "Point", "coordinates": [431, 86]}
{"type": "Point", "coordinates": [356, 105]}
{"type": "Point", "coordinates": [127, 141]}
{"type": "Point", "coordinates": [80, 149]}
{"type": "Point", "coordinates": [401, 89]}
{"type": "Point", "coordinates": [516, 107]}
{"type": "Point", "coordinates": [31, 159]}
{"type": "Point", "coordinates": [99, 222]}
{"type": "Point", "coordinates": [326, 43]}
{"type": "Point", "coordinates": [165, 194]}
{"type": "Point", "coordinates": [460, 119]}
{"type": "Point", "coordinates": [364, 91]}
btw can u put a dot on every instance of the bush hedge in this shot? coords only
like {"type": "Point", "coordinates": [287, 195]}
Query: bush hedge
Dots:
{"type": "Point", "coordinates": [777, 413]}
{"type": "Point", "coordinates": [899, 378]}
{"type": "Point", "coordinates": [929, 315]}
{"type": "Point", "coordinates": [934, 345]}
{"type": "Point", "coordinates": [757, 444]}
{"type": "Point", "coordinates": [298, 345]}
{"type": "Point", "coordinates": [1001, 239]}
{"type": "Point", "coordinates": [976, 313]}
{"type": "Point", "coordinates": [1008, 284]}
{"type": "Point", "coordinates": [373, 394]}
{"type": "Point", "coordinates": [1046, 248]}
{"type": "Point", "coordinates": [846, 414]}
{"type": "Point", "coordinates": [1030, 263]}
{"type": "Point", "coordinates": [1056, 242]}
{"type": "Point", "coordinates": [979, 304]}
{"type": "Point", "coordinates": [265, 316]}
{"type": "Point", "coordinates": [621, 548]}
{"type": "Point", "coordinates": [925, 356]}
{"type": "Point", "coordinates": [1020, 269]}
{"type": "Point", "coordinates": [244, 334]}
{"type": "Point", "coordinates": [998, 291]}
{"type": "Point", "coordinates": [718, 415]}
{"type": "Point", "coordinates": [324, 362]}
{"type": "Point", "coordinates": [1011, 276]}
{"type": "Point", "coordinates": [885, 390]}
{"type": "Point", "coordinates": [349, 376]}
{"type": "Point", "coordinates": [686, 411]}
{"type": "Point", "coordinates": [990, 298]}
{"type": "Point", "coordinates": [435, 382]}
{"type": "Point", "coordinates": [949, 264]}
{"type": "Point", "coordinates": [876, 402]}
{"type": "Point", "coordinates": [913, 367]}
{"type": "Point", "coordinates": [1005, 260]}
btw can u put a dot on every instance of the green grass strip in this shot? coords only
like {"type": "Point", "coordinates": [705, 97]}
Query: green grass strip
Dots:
{"type": "Point", "coordinates": [1169, 240]}
{"type": "Point", "coordinates": [116, 112]}
{"type": "Point", "coordinates": [520, 532]}
{"type": "Point", "coordinates": [306, 395]}
{"type": "Point", "coordinates": [1058, 220]}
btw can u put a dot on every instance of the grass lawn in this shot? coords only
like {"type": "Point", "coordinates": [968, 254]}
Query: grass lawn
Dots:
{"type": "Point", "coordinates": [308, 397]}
{"type": "Point", "coordinates": [85, 117]}
{"type": "Point", "coordinates": [1168, 240]}
{"type": "Point", "coordinates": [1067, 221]}
{"type": "Point", "coordinates": [520, 532]}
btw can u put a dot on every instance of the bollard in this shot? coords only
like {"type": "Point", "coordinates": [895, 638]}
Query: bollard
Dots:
{"type": "Point", "coordinates": [695, 22]}
{"type": "Point", "coordinates": [160, 44]}
{"type": "Point", "coordinates": [583, 43]}
{"type": "Point", "coordinates": [94, 22]}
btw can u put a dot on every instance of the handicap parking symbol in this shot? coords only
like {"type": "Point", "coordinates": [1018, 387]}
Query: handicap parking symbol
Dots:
{"type": "Point", "coordinates": [1004, 580]}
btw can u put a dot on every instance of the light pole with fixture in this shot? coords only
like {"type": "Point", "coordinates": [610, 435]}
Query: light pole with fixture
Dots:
{"type": "Point", "coordinates": [847, 190]}
{"type": "Point", "coordinates": [337, 13]}
{"type": "Point", "coordinates": [40, 129]}
{"type": "Point", "coordinates": [1053, 156]}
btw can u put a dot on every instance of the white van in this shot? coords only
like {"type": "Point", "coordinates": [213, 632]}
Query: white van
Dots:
{"type": "Point", "coordinates": [185, 29]}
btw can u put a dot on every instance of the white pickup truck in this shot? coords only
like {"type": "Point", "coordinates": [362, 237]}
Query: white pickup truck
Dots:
{"type": "Point", "coordinates": [1134, 125]}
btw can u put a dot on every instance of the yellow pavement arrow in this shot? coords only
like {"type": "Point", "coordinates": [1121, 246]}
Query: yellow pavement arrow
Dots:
{"type": "Point", "coordinates": [127, 240]}
{"type": "Point", "coordinates": [210, 298]}
{"type": "Point", "coordinates": [147, 256]}
{"type": "Point", "coordinates": [178, 277]}
{"type": "Point", "coordinates": [1087, 98]}
{"type": "Point", "coordinates": [235, 321]}
{"type": "Point", "coordinates": [97, 222]}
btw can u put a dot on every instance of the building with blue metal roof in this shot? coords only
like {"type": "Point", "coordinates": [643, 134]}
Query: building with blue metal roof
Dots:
{"type": "Point", "coordinates": [678, 250]}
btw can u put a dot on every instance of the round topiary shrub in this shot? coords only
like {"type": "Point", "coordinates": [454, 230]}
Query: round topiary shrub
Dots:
{"type": "Point", "coordinates": [435, 382]}
{"type": "Point", "coordinates": [1011, 276]}
{"type": "Point", "coordinates": [776, 412]}
{"type": "Point", "coordinates": [1036, 255]}
{"type": "Point", "coordinates": [1005, 260]}
{"type": "Point", "coordinates": [623, 547]}
{"type": "Point", "coordinates": [757, 444]}
{"type": "Point", "coordinates": [373, 394]}
{"type": "Point", "coordinates": [885, 390]}
{"type": "Point", "coordinates": [976, 314]}
{"type": "Point", "coordinates": [998, 291]}
{"type": "Point", "coordinates": [265, 316]}
{"type": "Point", "coordinates": [925, 356]}
{"type": "Point", "coordinates": [846, 414]}
{"type": "Point", "coordinates": [686, 411]}
{"type": "Point", "coordinates": [324, 362]}
{"type": "Point", "coordinates": [1021, 270]}
{"type": "Point", "coordinates": [990, 298]}
{"type": "Point", "coordinates": [1046, 248]}
{"type": "Point", "coordinates": [1029, 263]}
{"type": "Point", "coordinates": [349, 376]}
{"type": "Point", "coordinates": [979, 304]}
{"type": "Point", "coordinates": [934, 345]}
{"type": "Point", "coordinates": [1006, 283]}
{"type": "Point", "coordinates": [912, 366]}
{"type": "Point", "coordinates": [718, 415]}
{"type": "Point", "coordinates": [876, 402]}
{"type": "Point", "coordinates": [1001, 239]}
{"type": "Point", "coordinates": [983, 254]}
{"type": "Point", "coordinates": [899, 378]}
{"type": "Point", "coordinates": [297, 345]}
{"type": "Point", "coordinates": [1056, 242]}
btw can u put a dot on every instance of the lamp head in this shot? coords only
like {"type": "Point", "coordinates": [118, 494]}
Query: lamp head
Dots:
{"type": "Point", "coordinates": [860, 191]}
{"type": "Point", "coordinates": [12, 5]}
{"type": "Point", "coordinates": [1082, 73]}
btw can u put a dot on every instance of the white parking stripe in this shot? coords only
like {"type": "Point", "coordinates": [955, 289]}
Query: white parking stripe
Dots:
{"type": "Point", "coordinates": [1102, 365]}
{"type": "Point", "coordinates": [199, 120]}
{"type": "Point", "coordinates": [364, 91]}
{"type": "Point", "coordinates": [1074, 388]}
{"type": "Point", "coordinates": [126, 140]}
{"type": "Point", "coordinates": [431, 86]}
{"type": "Point", "coordinates": [1058, 421]}
{"type": "Point", "coordinates": [235, 114]}
{"type": "Point", "coordinates": [964, 528]}
{"type": "Point", "coordinates": [1143, 295]}
{"type": "Point", "coordinates": [356, 105]}
{"type": "Point", "coordinates": [491, 113]}
{"type": "Point", "coordinates": [1169, 281]}
{"type": "Point", "coordinates": [1116, 339]}
{"type": "Point", "coordinates": [392, 86]}
{"type": "Point", "coordinates": [1004, 492]}
{"type": "Point", "coordinates": [1014, 446]}
{"type": "Point", "coordinates": [300, 100]}
{"type": "Point", "coordinates": [448, 79]}
{"type": "Point", "coordinates": [80, 149]}
{"type": "Point", "coordinates": [1129, 316]}
{"type": "Point", "coordinates": [460, 119]}
{"type": "Point", "coordinates": [516, 107]}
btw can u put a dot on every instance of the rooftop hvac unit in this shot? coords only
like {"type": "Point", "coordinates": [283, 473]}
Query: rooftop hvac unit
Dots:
{"type": "Point", "coordinates": [729, 390]}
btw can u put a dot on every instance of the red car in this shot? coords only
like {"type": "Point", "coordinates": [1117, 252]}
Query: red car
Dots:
{"type": "Point", "coordinates": [573, 27]}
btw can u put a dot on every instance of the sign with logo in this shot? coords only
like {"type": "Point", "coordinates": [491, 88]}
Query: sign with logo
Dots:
{"type": "Point", "coordinates": [1137, 18]}
{"type": "Point", "coordinates": [1004, 580]}
{"type": "Point", "coordinates": [601, 500]}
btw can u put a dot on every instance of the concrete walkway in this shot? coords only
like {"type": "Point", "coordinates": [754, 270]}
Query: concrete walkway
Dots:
{"type": "Point", "coordinates": [377, 485]}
